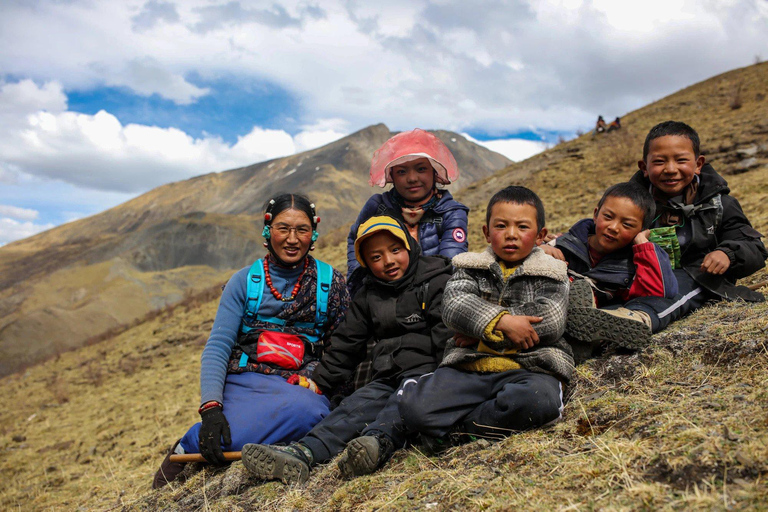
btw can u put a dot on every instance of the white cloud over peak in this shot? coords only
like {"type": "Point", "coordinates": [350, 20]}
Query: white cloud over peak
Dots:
{"type": "Point", "coordinates": [11, 229]}
{"type": "Point", "coordinates": [514, 149]}
{"type": "Point", "coordinates": [18, 213]}
{"type": "Point", "coordinates": [99, 152]}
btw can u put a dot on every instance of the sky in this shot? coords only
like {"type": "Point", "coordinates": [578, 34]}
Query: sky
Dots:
{"type": "Point", "coordinates": [103, 100]}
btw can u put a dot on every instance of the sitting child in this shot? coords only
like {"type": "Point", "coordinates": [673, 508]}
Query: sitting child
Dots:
{"type": "Point", "coordinates": [717, 244]}
{"type": "Point", "coordinates": [415, 162]}
{"type": "Point", "coordinates": [505, 369]}
{"type": "Point", "coordinates": [400, 308]}
{"type": "Point", "coordinates": [612, 254]}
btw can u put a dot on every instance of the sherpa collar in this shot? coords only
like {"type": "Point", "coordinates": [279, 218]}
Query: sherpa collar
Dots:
{"type": "Point", "coordinates": [538, 263]}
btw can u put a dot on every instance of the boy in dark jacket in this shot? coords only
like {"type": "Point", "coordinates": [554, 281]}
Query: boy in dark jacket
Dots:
{"type": "Point", "coordinates": [717, 243]}
{"type": "Point", "coordinates": [400, 308]}
{"type": "Point", "coordinates": [505, 369]}
{"type": "Point", "coordinates": [611, 253]}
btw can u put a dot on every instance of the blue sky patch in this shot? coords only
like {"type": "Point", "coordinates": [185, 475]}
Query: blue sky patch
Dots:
{"type": "Point", "coordinates": [231, 109]}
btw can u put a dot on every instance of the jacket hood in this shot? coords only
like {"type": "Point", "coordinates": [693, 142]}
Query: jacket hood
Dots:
{"type": "Point", "coordinates": [413, 261]}
{"type": "Point", "coordinates": [538, 263]}
{"type": "Point", "coordinates": [710, 183]}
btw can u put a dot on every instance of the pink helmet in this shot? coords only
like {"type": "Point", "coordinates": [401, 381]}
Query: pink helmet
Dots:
{"type": "Point", "coordinates": [407, 146]}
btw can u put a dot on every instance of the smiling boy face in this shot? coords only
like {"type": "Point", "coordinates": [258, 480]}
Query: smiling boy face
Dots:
{"type": "Point", "coordinates": [512, 231]}
{"type": "Point", "coordinates": [385, 256]}
{"type": "Point", "coordinates": [671, 164]}
{"type": "Point", "coordinates": [617, 223]}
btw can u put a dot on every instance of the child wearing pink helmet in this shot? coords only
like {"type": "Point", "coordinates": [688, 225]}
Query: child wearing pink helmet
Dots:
{"type": "Point", "coordinates": [415, 162]}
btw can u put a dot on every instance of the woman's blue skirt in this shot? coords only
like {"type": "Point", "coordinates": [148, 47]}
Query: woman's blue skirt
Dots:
{"type": "Point", "coordinates": [264, 409]}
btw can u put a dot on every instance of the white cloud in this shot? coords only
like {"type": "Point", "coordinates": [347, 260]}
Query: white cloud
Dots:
{"type": "Point", "coordinates": [15, 212]}
{"type": "Point", "coordinates": [448, 64]}
{"type": "Point", "coordinates": [514, 149]}
{"type": "Point", "coordinates": [11, 229]}
{"type": "Point", "coordinates": [99, 152]}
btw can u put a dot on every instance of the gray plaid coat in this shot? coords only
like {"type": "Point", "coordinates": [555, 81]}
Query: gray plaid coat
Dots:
{"type": "Point", "coordinates": [478, 292]}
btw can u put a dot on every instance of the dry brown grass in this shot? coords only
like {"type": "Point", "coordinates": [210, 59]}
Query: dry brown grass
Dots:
{"type": "Point", "coordinates": [679, 426]}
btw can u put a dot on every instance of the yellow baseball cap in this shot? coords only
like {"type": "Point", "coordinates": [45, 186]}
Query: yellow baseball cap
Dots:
{"type": "Point", "coordinates": [373, 226]}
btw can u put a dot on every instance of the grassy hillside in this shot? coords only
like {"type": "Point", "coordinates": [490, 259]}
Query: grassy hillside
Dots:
{"type": "Point", "coordinates": [680, 426]}
{"type": "Point", "coordinates": [61, 287]}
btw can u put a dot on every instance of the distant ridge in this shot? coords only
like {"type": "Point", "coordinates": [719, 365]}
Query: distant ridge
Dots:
{"type": "Point", "coordinates": [80, 279]}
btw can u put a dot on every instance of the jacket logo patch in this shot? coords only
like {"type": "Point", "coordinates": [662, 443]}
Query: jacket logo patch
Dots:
{"type": "Point", "coordinates": [711, 230]}
{"type": "Point", "coordinates": [413, 319]}
{"type": "Point", "coordinates": [459, 235]}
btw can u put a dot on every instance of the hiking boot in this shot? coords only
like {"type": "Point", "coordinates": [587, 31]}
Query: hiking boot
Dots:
{"type": "Point", "coordinates": [365, 455]}
{"type": "Point", "coordinates": [169, 471]}
{"type": "Point", "coordinates": [620, 327]}
{"type": "Point", "coordinates": [431, 445]}
{"type": "Point", "coordinates": [580, 295]}
{"type": "Point", "coordinates": [289, 464]}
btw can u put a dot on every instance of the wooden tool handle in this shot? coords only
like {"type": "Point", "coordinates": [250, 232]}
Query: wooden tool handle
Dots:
{"type": "Point", "coordinates": [196, 457]}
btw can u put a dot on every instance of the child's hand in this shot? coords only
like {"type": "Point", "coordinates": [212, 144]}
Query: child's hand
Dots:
{"type": "Point", "coordinates": [553, 251]}
{"type": "Point", "coordinates": [642, 237]}
{"type": "Point", "coordinates": [300, 380]}
{"type": "Point", "coordinates": [550, 236]}
{"type": "Point", "coordinates": [518, 329]}
{"type": "Point", "coordinates": [716, 262]}
{"type": "Point", "coordinates": [465, 341]}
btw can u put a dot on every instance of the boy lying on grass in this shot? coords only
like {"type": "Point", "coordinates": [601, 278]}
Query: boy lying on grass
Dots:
{"type": "Point", "coordinates": [505, 369]}
{"type": "Point", "coordinates": [698, 222]}
{"type": "Point", "coordinates": [400, 306]}
{"type": "Point", "coordinates": [613, 262]}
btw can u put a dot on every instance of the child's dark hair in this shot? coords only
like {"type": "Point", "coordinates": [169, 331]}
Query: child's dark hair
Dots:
{"type": "Point", "coordinates": [636, 193]}
{"type": "Point", "coordinates": [284, 202]}
{"type": "Point", "coordinates": [517, 195]}
{"type": "Point", "coordinates": [672, 128]}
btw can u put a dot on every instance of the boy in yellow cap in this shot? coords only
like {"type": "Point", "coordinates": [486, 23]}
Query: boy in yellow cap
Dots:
{"type": "Point", "coordinates": [399, 309]}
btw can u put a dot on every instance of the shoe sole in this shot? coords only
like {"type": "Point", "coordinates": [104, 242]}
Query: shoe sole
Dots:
{"type": "Point", "coordinates": [592, 325]}
{"type": "Point", "coordinates": [266, 463]}
{"type": "Point", "coordinates": [580, 295]}
{"type": "Point", "coordinates": [361, 457]}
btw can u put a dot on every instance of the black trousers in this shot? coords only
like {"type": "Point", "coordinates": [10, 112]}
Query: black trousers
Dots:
{"type": "Point", "coordinates": [485, 404]}
{"type": "Point", "coordinates": [372, 408]}
{"type": "Point", "coordinates": [690, 297]}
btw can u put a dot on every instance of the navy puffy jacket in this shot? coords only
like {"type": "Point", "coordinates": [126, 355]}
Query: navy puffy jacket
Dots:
{"type": "Point", "coordinates": [448, 217]}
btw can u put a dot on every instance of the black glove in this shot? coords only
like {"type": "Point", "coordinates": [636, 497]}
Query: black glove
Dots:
{"type": "Point", "coordinates": [215, 427]}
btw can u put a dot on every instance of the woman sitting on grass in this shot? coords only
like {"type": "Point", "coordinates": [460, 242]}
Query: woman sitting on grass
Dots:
{"type": "Point", "coordinates": [273, 322]}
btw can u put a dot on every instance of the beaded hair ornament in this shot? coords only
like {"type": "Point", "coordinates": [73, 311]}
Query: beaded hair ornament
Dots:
{"type": "Point", "coordinates": [266, 232]}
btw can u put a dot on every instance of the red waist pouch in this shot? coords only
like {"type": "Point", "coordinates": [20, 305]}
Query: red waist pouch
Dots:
{"type": "Point", "coordinates": [281, 349]}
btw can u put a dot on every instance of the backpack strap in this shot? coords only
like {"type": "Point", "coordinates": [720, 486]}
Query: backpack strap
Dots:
{"type": "Point", "coordinates": [718, 202]}
{"type": "Point", "coordinates": [324, 280]}
{"type": "Point", "coordinates": [254, 291]}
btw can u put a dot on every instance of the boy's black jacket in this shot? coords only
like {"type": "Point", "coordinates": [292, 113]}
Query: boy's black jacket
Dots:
{"type": "Point", "coordinates": [408, 340]}
{"type": "Point", "coordinates": [734, 235]}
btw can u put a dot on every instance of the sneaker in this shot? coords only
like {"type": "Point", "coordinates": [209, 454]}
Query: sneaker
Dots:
{"type": "Point", "coordinates": [289, 464]}
{"type": "Point", "coordinates": [620, 327]}
{"type": "Point", "coordinates": [169, 471]}
{"type": "Point", "coordinates": [365, 455]}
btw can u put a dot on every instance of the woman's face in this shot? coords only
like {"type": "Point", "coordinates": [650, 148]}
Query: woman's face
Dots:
{"type": "Point", "coordinates": [414, 180]}
{"type": "Point", "coordinates": [291, 235]}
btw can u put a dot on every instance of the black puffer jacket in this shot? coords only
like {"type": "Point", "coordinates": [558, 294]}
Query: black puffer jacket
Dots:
{"type": "Point", "coordinates": [733, 234]}
{"type": "Point", "coordinates": [408, 340]}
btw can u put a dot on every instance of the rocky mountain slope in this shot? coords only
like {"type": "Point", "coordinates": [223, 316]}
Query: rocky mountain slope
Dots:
{"type": "Point", "coordinates": [61, 287]}
{"type": "Point", "coordinates": [681, 425]}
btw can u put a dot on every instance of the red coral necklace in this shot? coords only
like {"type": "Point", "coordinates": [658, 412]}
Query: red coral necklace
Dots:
{"type": "Point", "coordinates": [272, 289]}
